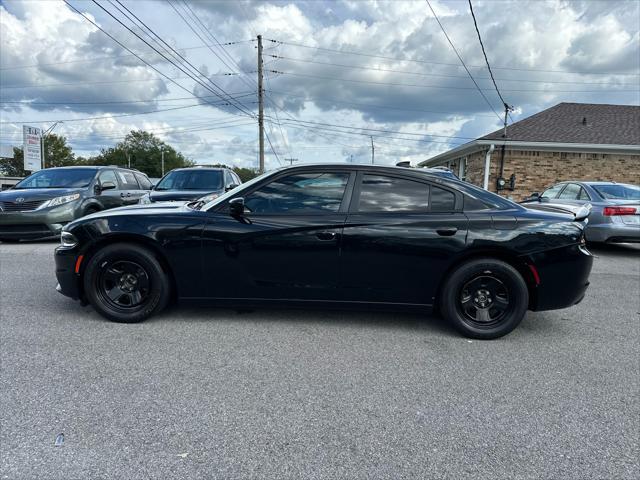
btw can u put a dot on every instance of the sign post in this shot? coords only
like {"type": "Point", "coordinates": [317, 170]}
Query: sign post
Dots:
{"type": "Point", "coordinates": [32, 148]}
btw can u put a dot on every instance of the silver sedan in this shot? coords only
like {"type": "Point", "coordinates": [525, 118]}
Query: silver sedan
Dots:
{"type": "Point", "coordinates": [615, 208]}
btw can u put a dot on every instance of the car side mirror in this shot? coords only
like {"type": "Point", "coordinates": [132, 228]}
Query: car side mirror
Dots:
{"type": "Point", "coordinates": [107, 186]}
{"type": "Point", "coordinates": [231, 187]}
{"type": "Point", "coordinates": [236, 207]}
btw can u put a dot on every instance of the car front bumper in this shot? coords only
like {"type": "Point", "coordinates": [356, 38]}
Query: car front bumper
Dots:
{"type": "Point", "coordinates": [36, 224]}
{"type": "Point", "coordinates": [68, 280]}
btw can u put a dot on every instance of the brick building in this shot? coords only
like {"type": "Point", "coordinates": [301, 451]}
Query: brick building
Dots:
{"type": "Point", "coordinates": [570, 141]}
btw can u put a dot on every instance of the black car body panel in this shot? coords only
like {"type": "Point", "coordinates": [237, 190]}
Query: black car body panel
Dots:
{"type": "Point", "coordinates": [24, 214]}
{"type": "Point", "coordinates": [342, 257]}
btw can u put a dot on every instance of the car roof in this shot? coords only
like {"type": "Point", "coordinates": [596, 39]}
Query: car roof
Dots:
{"type": "Point", "coordinates": [198, 167]}
{"type": "Point", "coordinates": [427, 172]}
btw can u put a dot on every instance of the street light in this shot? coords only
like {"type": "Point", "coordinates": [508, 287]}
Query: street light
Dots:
{"type": "Point", "coordinates": [44, 150]}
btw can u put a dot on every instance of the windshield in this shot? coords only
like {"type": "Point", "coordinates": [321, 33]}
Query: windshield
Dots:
{"type": "Point", "coordinates": [208, 180]}
{"type": "Point", "coordinates": [59, 178]}
{"type": "Point", "coordinates": [618, 192]}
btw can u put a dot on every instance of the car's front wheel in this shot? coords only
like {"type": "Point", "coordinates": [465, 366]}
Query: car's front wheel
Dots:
{"type": "Point", "coordinates": [126, 283]}
{"type": "Point", "coordinates": [484, 298]}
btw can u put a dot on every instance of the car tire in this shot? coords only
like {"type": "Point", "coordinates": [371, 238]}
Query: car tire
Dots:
{"type": "Point", "coordinates": [126, 283]}
{"type": "Point", "coordinates": [484, 298]}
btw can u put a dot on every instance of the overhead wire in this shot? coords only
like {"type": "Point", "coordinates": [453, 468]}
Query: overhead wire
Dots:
{"type": "Point", "coordinates": [216, 88]}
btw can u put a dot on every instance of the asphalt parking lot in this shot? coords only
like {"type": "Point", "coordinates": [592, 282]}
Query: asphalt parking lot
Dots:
{"type": "Point", "coordinates": [210, 393]}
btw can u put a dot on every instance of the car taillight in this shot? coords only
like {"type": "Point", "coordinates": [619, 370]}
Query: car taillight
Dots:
{"type": "Point", "coordinates": [609, 211]}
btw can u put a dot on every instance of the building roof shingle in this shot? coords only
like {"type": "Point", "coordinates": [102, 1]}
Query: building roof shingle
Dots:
{"type": "Point", "coordinates": [577, 123]}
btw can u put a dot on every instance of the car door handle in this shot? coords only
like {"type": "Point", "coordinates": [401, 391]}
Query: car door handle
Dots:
{"type": "Point", "coordinates": [128, 194]}
{"type": "Point", "coordinates": [122, 195]}
{"type": "Point", "coordinates": [326, 235]}
{"type": "Point", "coordinates": [446, 231]}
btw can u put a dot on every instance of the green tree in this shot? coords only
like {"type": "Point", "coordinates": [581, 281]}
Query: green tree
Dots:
{"type": "Point", "coordinates": [57, 153]}
{"type": "Point", "coordinates": [145, 151]}
{"type": "Point", "coordinates": [13, 167]}
{"type": "Point", "coordinates": [245, 174]}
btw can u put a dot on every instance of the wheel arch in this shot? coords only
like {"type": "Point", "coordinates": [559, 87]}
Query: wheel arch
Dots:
{"type": "Point", "coordinates": [517, 262]}
{"type": "Point", "coordinates": [139, 240]}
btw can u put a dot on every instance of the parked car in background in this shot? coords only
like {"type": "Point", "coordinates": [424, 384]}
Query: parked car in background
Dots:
{"type": "Point", "coordinates": [192, 183]}
{"type": "Point", "coordinates": [615, 208]}
{"type": "Point", "coordinates": [333, 235]}
{"type": "Point", "coordinates": [41, 204]}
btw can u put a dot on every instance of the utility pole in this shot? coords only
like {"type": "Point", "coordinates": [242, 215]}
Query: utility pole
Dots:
{"type": "Point", "coordinates": [373, 151]}
{"type": "Point", "coordinates": [260, 105]}
{"type": "Point", "coordinates": [162, 155]}
{"type": "Point", "coordinates": [44, 151]}
{"type": "Point", "coordinates": [507, 109]}
{"type": "Point", "coordinates": [129, 159]}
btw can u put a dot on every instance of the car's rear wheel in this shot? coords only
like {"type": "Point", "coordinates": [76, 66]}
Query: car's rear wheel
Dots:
{"type": "Point", "coordinates": [126, 283]}
{"type": "Point", "coordinates": [484, 298]}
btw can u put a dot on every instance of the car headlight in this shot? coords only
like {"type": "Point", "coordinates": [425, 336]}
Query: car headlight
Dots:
{"type": "Point", "coordinates": [145, 199]}
{"type": "Point", "coordinates": [54, 202]}
{"type": "Point", "coordinates": [68, 239]}
{"type": "Point", "coordinates": [208, 198]}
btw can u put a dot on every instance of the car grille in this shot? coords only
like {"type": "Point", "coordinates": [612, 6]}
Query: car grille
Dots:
{"type": "Point", "coordinates": [20, 207]}
{"type": "Point", "coordinates": [26, 228]}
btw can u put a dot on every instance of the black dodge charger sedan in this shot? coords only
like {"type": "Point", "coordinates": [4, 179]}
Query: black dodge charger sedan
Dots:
{"type": "Point", "coordinates": [333, 235]}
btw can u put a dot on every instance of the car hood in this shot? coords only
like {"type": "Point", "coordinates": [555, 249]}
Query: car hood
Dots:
{"type": "Point", "coordinates": [178, 195]}
{"type": "Point", "coordinates": [33, 194]}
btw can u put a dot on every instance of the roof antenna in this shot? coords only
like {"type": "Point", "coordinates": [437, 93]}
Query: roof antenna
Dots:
{"type": "Point", "coordinates": [584, 120]}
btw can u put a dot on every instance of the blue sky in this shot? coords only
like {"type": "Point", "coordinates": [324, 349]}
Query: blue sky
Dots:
{"type": "Point", "coordinates": [400, 80]}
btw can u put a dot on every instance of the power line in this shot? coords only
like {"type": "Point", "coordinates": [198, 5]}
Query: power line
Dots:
{"type": "Point", "coordinates": [461, 61]}
{"type": "Point", "coordinates": [445, 87]}
{"type": "Point", "coordinates": [445, 75]}
{"type": "Point", "coordinates": [368, 105]}
{"type": "Point", "coordinates": [110, 57]}
{"type": "Point", "coordinates": [272, 149]}
{"type": "Point", "coordinates": [248, 80]}
{"type": "Point", "coordinates": [108, 116]}
{"type": "Point", "coordinates": [176, 55]}
{"type": "Point", "coordinates": [132, 52]}
{"type": "Point", "coordinates": [395, 59]}
{"type": "Point", "coordinates": [381, 130]}
{"type": "Point", "coordinates": [485, 57]}
{"type": "Point", "coordinates": [121, 102]}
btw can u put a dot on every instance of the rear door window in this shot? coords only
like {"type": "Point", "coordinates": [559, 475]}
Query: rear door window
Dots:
{"type": "Point", "coordinates": [379, 193]}
{"type": "Point", "coordinates": [442, 200]}
{"type": "Point", "coordinates": [553, 191]}
{"type": "Point", "coordinates": [144, 182]}
{"type": "Point", "coordinates": [128, 180]}
{"type": "Point", "coordinates": [570, 192]}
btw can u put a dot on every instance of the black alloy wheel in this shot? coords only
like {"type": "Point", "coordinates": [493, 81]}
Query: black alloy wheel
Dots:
{"type": "Point", "coordinates": [126, 283]}
{"type": "Point", "coordinates": [123, 284]}
{"type": "Point", "coordinates": [484, 298]}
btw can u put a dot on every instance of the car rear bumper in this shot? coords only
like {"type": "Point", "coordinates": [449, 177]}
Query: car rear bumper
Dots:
{"type": "Point", "coordinates": [613, 233]}
{"type": "Point", "coordinates": [68, 279]}
{"type": "Point", "coordinates": [35, 225]}
{"type": "Point", "coordinates": [564, 277]}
